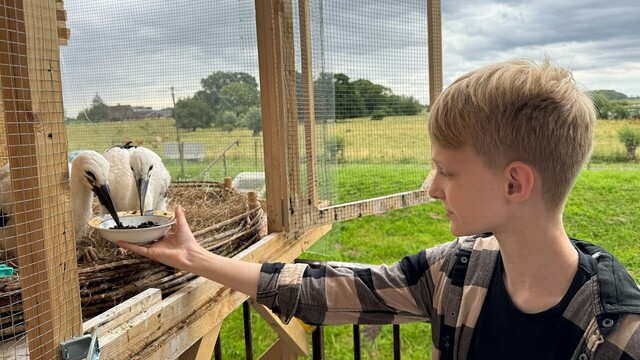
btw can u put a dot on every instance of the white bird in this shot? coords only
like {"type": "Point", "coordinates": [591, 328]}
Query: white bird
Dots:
{"type": "Point", "coordinates": [7, 218]}
{"type": "Point", "coordinates": [151, 178]}
{"type": "Point", "coordinates": [89, 175]}
{"type": "Point", "coordinates": [121, 180]}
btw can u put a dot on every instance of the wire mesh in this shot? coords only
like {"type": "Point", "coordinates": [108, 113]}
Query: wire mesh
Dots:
{"type": "Point", "coordinates": [129, 70]}
{"type": "Point", "coordinates": [369, 76]}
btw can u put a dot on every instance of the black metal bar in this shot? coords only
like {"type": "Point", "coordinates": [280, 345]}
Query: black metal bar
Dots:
{"type": "Point", "coordinates": [396, 342]}
{"type": "Point", "coordinates": [357, 351]}
{"type": "Point", "coordinates": [246, 316]}
{"type": "Point", "coordinates": [217, 350]}
{"type": "Point", "coordinates": [317, 343]}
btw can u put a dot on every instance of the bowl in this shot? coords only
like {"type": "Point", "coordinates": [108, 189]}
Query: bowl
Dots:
{"type": "Point", "coordinates": [105, 225]}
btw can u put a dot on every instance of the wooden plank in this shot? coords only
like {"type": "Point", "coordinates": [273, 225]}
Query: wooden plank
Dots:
{"type": "Point", "coordinates": [203, 348]}
{"type": "Point", "coordinates": [371, 206]}
{"type": "Point", "coordinates": [36, 144]}
{"type": "Point", "coordinates": [308, 103]}
{"type": "Point", "coordinates": [278, 351]}
{"type": "Point", "coordinates": [272, 101]}
{"type": "Point", "coordinates": [434, 37]}
{"type": "Point", "coordinates": [293, 335]}
{"type": "Point", "coordinates": [292, 150]}
{"type": "Point", "coordinates": [167, 329]}
{"type": "Point", "coordinates": [123, 312]}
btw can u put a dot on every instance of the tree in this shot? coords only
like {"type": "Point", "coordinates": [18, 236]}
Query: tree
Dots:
{"type": "Point", "coordinates": [374, 96]}
{"type": "Point", "coordinates": [253, 120]}
{"type": "Point", "coordinates": [214, 83]}
{"type": "Point", "coordinates": [323, 94]}
{"type": "Point", "coordinates": [192, 113]}
{"type": "Point", "coordinates": [97, 112]}
{"type": "Point", "coordinates": [349, 103]}
{"type": "Point", "coordinates": [602, 105]}
{"type": "Point", "coordinates": [227, 121]}
{"type": "Point", "coordinates": [239, 98]}
{"type": "Point", "coordinates": [630, 137]}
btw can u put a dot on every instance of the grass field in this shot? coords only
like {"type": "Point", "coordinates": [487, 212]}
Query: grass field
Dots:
{"type": "Point", "coordinates": [381, 157]}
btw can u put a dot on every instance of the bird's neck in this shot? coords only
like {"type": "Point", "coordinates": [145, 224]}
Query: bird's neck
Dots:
{"type": "Point", "coordinates": [81, 200]}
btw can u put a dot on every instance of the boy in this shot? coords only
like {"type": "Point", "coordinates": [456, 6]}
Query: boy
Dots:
{"type": "Point", "coordinates": [508, 141]}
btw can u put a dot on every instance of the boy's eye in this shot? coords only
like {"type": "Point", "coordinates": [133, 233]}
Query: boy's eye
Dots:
{"type": "Point", "coordinates": [444, 173]}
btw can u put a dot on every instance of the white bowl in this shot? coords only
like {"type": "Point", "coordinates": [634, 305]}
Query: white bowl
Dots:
{"type": "Point", "coordinates": [106, 226]}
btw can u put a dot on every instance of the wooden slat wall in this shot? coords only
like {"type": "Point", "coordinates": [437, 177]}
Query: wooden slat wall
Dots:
{"type": "Point", "coordinates": [36, 142]}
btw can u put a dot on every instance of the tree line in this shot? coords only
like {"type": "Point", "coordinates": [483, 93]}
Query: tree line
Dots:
{"type": "Point", "coordinates": [611, 104]}
{"type": "Point", "coordinates": [229, 100]}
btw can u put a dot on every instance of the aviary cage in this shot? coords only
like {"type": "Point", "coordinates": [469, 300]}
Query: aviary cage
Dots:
{"type": "Point", "coordinates": [270, 95]}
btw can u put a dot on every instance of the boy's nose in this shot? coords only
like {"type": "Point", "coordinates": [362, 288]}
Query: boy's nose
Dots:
{"type": "Point", "coordinates": [435, 190]}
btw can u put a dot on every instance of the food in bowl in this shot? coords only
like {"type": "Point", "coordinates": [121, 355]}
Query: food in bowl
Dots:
{"type": "Point", "coordinates": [137, 229]}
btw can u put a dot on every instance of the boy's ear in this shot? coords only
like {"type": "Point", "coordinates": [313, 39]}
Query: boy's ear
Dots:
{"type": "Point", "coordinates": [520, 180]}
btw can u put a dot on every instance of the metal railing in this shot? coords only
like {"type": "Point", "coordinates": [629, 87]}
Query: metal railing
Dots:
{"type": "Point", "coordinates": [317, 335]}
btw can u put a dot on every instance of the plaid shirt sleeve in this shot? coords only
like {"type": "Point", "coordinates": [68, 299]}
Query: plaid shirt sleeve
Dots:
{"type": "Point", "coordinates": [362, 294]}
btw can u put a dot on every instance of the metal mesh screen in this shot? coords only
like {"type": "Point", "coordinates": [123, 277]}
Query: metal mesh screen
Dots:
{"type": "Point", "coordinates": [37, 277]}
{"type": "Point", "coordinates": [127, 77]}
{"type": "Point", "coordinates": [367, 62]}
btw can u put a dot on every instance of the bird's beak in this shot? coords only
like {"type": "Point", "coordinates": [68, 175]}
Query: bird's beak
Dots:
{"type": "Point", "coordinates": [104, 196]}
{"type": "Point", "coordinates": [4, 218]}
{"type": "Point", "coordinates": [143, 184]}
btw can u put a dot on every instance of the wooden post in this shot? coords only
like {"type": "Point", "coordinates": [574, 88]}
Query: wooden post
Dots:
{"type": "Point", "coordinates": [31, 100]}
{"type": "Point", "coordinates": [228, 183]}
{"type": "Point", "coordinates": [434, 25]}
{"type": "Point", "coordinates": [308, 105]}
{"type": "Point", "coordinates": [273, 103]}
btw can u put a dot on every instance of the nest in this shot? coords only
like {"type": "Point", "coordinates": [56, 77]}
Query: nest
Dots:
{"type": "Point", "coordinates": [222, 220]}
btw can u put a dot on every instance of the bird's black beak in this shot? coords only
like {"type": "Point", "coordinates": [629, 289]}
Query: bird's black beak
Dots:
{"type": "Point", "coordinates": [143, 184]}
{"type": "Point", "coordinates": [104, 196]}
{"type": "Point", "coordinates": [4, 218]}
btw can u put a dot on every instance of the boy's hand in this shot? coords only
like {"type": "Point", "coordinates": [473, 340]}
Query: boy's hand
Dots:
{"type": "Point", "coordinates": [174, 249]}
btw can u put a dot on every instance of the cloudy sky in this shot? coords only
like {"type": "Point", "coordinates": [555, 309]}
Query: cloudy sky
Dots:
{"type": "Point", "coordinates": [134, 52]}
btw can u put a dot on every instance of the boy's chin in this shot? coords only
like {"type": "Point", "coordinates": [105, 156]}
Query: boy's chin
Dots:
{"type": "Point", "coordinates": [457, 232]}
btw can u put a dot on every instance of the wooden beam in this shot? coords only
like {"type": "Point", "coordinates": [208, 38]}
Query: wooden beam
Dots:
{"type": "Point", "coordinates": [37, 149]}
{"type": "Point", "coordinates": [434, 37]}
{"type": "Point", "coordinates": [123, 312]}
{"type": "Point", "coordinates": [203, 348]}
{"type": "Point", "coordinates": [372, 206]}
{"type": "Point", "coordinates": [278, 351]}
{"type": "Point", "coordinates": [293, 335]}
{"type": "Point", "coordinates": [273, 104]}
{"type": "Point", "coordinates": [308, 102]}
{"type": "Point", "coordinates": [167, 329]}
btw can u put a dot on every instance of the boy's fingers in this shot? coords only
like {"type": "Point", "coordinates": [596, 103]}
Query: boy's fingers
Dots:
{"type": "Point", "coordinates": [140, 250]}
{"type": "Point", "coordinates": [181, 221]}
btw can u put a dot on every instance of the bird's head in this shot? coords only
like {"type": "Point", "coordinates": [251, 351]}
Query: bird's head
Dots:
{"type": "Point", "coordinates": [91, 170]}
{"type": "Point", "coordinates": [142, 162]}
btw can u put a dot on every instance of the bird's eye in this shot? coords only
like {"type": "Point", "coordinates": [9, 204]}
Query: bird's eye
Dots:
{"type": "Point", "coordinates": [90, 177]}
{"type": "Point", "coordinates": [132, 168]}
{"type": "Point", "coordinates": [150, 167]}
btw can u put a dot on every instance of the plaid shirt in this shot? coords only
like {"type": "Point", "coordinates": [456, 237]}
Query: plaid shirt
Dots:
{"type": "Point", "coordinates": [446, 286]}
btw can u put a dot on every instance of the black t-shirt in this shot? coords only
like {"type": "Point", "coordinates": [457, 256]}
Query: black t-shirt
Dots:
{"type": "Point", "coordinates": [505, 332]}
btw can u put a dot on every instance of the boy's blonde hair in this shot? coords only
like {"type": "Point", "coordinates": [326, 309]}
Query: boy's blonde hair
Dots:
{"type": "Point", "coordinates": [519, 110]}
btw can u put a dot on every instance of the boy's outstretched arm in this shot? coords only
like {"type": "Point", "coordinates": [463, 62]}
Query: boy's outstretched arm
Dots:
{"type": "Point", "coordinates": [181, 250]}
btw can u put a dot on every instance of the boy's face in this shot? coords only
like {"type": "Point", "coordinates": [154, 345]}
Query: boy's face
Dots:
{"type": "Point", "coordinates": [473, 195]}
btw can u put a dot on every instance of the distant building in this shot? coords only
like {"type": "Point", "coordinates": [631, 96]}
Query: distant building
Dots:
{"type": "Point", "coordinates": [128, 112]}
